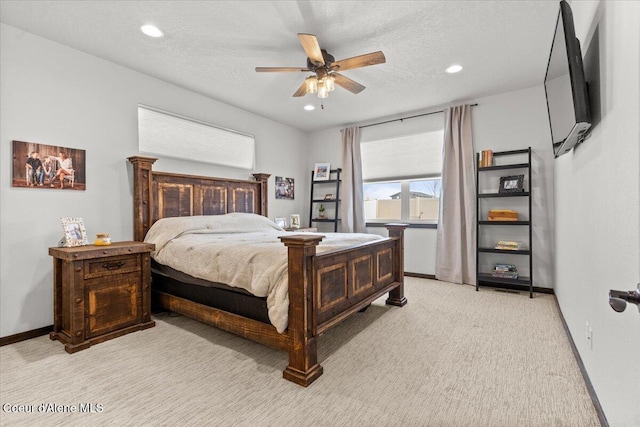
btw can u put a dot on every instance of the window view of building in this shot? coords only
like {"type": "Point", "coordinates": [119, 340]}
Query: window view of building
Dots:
{"type": "Point", "coordinates": [384, 200]}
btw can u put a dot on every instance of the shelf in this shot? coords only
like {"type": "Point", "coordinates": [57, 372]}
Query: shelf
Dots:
{"type": "Point", "coordinates": [501, 167]}
{"type": "Point", "coordinates": [488, 278]}
{"type": "Point", "coordinates": [518, 194]}
{"type": "Point", "coordinates": [510, 152]}
{"type": "Point", "coordinates": [505, 251]}
{"type": "Point", "coordinates": [330, 188]}
{"type": "Point", "coordinates": [523, 199]}
{"type": "Point", "coordinates": [504, 222]}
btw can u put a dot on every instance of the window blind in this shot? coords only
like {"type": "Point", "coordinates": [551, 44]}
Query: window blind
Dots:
{"type": "Point", "coordinates": [176, 136]}
{"type": "Point", "coordinates": [405, 157]}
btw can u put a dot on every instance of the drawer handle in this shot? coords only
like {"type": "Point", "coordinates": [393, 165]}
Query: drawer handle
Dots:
{"type": "Point", "coordinates": [113, 265]}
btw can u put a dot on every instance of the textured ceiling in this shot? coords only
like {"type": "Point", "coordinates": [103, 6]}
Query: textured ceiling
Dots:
{"type": "Point", "coordinates": [213, 47]}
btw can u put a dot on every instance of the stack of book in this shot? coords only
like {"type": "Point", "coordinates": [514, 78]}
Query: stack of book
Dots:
{"type": "Point", "coordinates": [505, 271]}
{"type": "Point", "coordinates": [486, 158]}
{"type": "Point", "coordinates": [508, 245]}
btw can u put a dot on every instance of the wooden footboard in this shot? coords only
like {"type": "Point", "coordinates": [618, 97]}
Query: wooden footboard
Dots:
{"type": "Point", "coordinates": [326, 288]}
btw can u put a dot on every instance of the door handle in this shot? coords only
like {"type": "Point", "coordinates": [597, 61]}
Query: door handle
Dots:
{"type": "Point", "coordinates": [618, 299]}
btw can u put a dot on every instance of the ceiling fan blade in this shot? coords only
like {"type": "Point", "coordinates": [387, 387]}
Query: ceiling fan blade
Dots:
{"type": "Point", "coordinates": [311, 48]}
{"type": "Point", "coordinates": [280, 69]}
{"type": "Point", "coordinates": [302, 90]}
{"type": "Point", "coordinates": [359, 61]}
{"type": "Point", "coordinates": [347, 83]}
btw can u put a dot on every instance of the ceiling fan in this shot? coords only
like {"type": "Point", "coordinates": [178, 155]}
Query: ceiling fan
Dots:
{"type": "Point", "coordinates": [326, 69]}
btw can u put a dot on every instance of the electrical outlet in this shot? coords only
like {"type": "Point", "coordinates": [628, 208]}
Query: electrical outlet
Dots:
{"type": "Point", "coordinates": [589, 335]}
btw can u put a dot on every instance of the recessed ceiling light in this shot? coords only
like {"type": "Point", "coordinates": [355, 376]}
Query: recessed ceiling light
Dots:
{"type": "Point", "coordinates": [309, 107]}
{"type": "Point", "coordinates": [151, 31]}
{"type": "Point", "coordinates": [454, 69]}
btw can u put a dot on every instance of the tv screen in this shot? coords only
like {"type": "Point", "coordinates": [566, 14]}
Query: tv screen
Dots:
{"type": "Point", "coordinates": [565, 86]}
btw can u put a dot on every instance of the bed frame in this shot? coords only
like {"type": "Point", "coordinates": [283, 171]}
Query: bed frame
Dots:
{"type": "Point", "coordinates": [324, 288]}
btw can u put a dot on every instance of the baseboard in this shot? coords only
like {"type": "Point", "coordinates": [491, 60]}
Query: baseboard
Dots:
{"type": "Point", "coordinates": [523, 288]}
{"type": "Point", "coordinates": [583, 371]}
{"type": "Point", "coordinates": [23, 336]}
{"type": "Point", "coordinates": [420, 275]}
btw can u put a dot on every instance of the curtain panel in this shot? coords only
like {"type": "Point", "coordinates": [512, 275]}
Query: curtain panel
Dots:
{"type": "Point", "coordinates": [455, 247]}
{"type": "Point", "coordinates": [352, 204]}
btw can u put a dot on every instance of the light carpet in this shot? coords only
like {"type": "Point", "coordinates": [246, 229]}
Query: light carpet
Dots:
{"type": "Point", "coordinates": [451, 357]}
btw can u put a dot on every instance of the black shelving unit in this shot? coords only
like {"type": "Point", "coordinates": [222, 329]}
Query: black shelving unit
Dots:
{"type": "Point", "coordinates": [485, 278]}
{"type": "Point", "coordinates": [333, 185]}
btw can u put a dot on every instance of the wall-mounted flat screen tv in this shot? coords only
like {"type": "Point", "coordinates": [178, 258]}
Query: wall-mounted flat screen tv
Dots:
{"type": "Point", "coordinates": [566, 87]}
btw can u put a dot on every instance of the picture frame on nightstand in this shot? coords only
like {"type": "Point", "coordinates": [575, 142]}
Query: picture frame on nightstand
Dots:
{"type": "Point", "coordinates": [295, 221]}
{"type": "Point", "coordinates": [74, 232]}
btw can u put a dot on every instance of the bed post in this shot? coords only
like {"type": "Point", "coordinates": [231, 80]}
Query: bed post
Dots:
{"type": "Point", "coordinates": [303, 366]}
{"type": "Point", "coordinates": [396, 296]}
{"type": "Point", "coordinates": [142, 195]}
{"type": "Point", "coordinates": [264, 194]}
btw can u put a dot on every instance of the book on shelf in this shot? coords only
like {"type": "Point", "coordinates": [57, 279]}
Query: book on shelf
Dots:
{"type": "Point", "coordinates": [505, 271]}
{"type": "Point", "coordinates": [505, 267]}
{"type": "Point", "coordinates": [505, 275]}
{"type": "Point", "coordinates": [508, 245]}
{"type": "Point", "coordinates": [486, 158]}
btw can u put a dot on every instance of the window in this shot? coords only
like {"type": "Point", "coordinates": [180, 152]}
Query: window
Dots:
{"type": "Point", "coordinates": [402, 178]}
{"type": "Point", "coordinates": [171, 135]}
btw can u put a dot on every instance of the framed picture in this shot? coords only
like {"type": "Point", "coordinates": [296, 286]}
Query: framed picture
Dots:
{"type": "Point", "coordinates": [511, 184]}
{"type": "Point", "coordinates": [285, 188]}
{"type": "Point", "coordinates": [321, 172]}
{"type": "Point", "coordinates": [41, 166]}
{"type": "Point", "coordinates": [281, 222]}
{"type": "Point", "coordinates": [328, 196]}
{"type": "Point", "coordinates": [74, 232]}
{"type": "Point", "coordinates": [295, 221]}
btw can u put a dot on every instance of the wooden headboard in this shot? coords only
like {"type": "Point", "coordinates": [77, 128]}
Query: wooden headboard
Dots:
{"type": "Point", "coordinates": [159, 194]}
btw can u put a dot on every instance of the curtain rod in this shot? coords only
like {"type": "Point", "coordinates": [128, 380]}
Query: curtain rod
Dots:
{"type": "Point", "coordinates": [410, 117]}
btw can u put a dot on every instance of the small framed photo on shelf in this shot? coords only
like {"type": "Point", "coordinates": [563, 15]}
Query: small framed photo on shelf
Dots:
{"type": "Point", "coordinates": [281, 222]}
{"type": "Point", "coordinates": [511, 184]}
{"type": "Point", "coordinates": [295, 221]}
{"type": "Point", "coordinates": [321, 172]}
{"type": "Point", "coordinates": [74, 232]}
{"type": "Point", "coordinates": [328, 197]}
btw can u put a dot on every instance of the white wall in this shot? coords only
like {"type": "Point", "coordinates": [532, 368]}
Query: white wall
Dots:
{"type": "Point", "coordinates": [52, 94]}
{"type": "Point", "coordinates": [508, 121]}
{"type": "Point", "coordinates": [597, 210]}
{"type": "Point", "coordinates": [512, 121]}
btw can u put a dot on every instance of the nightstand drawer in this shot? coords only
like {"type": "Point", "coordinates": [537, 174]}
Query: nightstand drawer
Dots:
{"type": "Point", "coordinates": [111, 265]}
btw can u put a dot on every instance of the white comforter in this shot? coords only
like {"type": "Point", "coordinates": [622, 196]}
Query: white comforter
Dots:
{"type": "Point", "coordinates": [241, 250]}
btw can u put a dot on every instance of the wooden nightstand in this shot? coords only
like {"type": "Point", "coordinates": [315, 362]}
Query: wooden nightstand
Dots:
{"type": "Point", "coordinates": [100, 292]}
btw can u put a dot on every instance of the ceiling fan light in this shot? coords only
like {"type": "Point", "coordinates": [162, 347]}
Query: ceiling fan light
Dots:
{"type": "Point", "coordinates": [329, 83]}
{"type": "Point", "coordinates": [311, 84]}
{"type": "Point", "coordinates": [323, 92]}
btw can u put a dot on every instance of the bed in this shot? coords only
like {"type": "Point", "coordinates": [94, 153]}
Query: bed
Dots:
{"type": "Point", "coordinates": [324, 285]}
